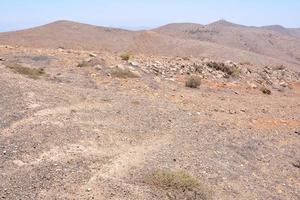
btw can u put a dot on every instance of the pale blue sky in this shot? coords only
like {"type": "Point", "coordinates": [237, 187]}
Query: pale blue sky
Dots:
{"type": "Point", "coordinates": [19, 14]}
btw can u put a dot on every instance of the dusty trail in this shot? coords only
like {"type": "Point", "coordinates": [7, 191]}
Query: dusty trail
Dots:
{"type": "Point", "coordinates": [134, 157]}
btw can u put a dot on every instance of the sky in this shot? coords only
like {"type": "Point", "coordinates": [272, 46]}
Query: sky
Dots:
{"type": "Point", "coordinates": [140, 14]}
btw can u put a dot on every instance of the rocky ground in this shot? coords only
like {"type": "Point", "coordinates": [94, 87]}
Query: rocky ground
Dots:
{"type": "Point", "coordinates": [89, 125]}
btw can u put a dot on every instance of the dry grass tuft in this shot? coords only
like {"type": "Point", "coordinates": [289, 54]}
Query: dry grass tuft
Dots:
{"type": "Point", "coordinates": [179, 185]}
{"type": "Point", "coordinates": [173, 179]}
{"type": "Point", "coordinates": [91, 63]}
{"type": "Point", "coordinates": [125, 56]}
{"type": "Point", "coordinates": [83, 64]}
{"type": "Point", "coordinates": [124, 73]}
{"type": "Point", "coordinates": [32, 73]}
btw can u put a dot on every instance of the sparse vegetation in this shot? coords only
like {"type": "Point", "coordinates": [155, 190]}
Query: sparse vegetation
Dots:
{"type": "Point", "coordinates": [266, 91]}
{"type": "Point", "coordinates": [235, 72]}
{"type": "Point", "coordinates": [136, 102]}
{"type": "Point", "coordinates": [247, 63]}
{"type": "Point", "coordinates": [83, 64]}
{"type": "Point", "coordinates": [280, 67]}
{"type": "Point", "coordinates": [95, 126]}
{"type": "Point", "coordinates": [232, 71]}
{"type": "Point", "coordinates": [124, 73]}
{"type": "Point", "coordinates": [90, 63]}
{"type": "Point", "coordinates": [297, 164]}
{"type": "Point", "coordinates": [193, 82]}
{"type": "Point", "coordinates": [173, 179]}
{"type": "Point", "coordinates": [125, 56]}
{"type": "Point", "coordinates": [33, 73]}
{"type": "Point", "coordinates": [41, 58]}
{"type": "Point", "coordinates": [179, 185]}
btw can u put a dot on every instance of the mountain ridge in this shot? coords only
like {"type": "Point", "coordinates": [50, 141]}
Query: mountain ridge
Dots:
{"type": "Point", "coordinates": [221, 39]}
{"type": "Point", "coordinates": [221, 21]}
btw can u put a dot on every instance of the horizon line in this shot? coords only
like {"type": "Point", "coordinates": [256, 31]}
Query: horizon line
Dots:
{"type": "Point", "coordinates": [144, 27]}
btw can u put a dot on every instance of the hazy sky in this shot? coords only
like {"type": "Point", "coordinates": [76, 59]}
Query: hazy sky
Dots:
{"type": "Point", "coordinates": [18, 14]}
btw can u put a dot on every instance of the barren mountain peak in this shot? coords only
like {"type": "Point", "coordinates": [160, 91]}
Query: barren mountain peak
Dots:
{"type": "Point", "coordinates": [223, 22]}
{"type": "Point", "coordinates": [275, 28]}
{"type": "Point", "coordinates": [66, 23]}
{"type": "Point", "coordinates": [183, 24]}
{"type": "Point", "coordinates": [175, 26]}
{"type": "Point", "coordinates": [63, 22]}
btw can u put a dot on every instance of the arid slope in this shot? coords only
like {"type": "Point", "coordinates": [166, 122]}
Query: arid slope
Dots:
{"type": "Point", "coordinates": [274, 41]}
{"type": "Point", "coordinates": [221, 41]}
{"type": "Point", "coordinates": [85, 129]}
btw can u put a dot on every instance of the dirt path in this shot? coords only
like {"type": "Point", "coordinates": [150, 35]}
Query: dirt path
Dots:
{"type": "Point", "coordinates": [137, 156]}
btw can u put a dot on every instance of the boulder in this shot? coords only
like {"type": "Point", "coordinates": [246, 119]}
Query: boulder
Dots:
{"type": "Point", "coordinates": [134, 64]}
{"type": "Point", "coordinates": [283, 84]}
{"type": "Point", "coordinates": [93, 55]}
{"type": "Point", "coordinates": [121, 67]}
{"type": "Point", "coordinates": [252, 85]}
{"type": "Point", "coordinates": [230, 63]}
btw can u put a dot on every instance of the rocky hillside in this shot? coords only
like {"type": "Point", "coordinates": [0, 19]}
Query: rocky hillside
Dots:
{"type": "Point", "coordinates": [272, 41]}
{"type": "Point", "coordinates": [80, 124]}
{"type": "Point", "coordinates": [219, 41]}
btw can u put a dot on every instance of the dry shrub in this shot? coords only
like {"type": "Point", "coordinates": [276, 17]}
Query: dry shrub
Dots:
{"type": "Point", "coordinates": [125, 56]}
{"type": "Point", "coordinates": [124, 73]}
{"type": "Point", "coordinates": [173, 179]}
{"type": "Point", "coordinates": [229, 70]}
{"type": "Point", "coordinates": [91, 63]}
{"type": "Point", "coordinates": [179, 185]}
{"type": "Point", "coordinates": [245, 63]}
{"type": "Point", "coordinates": [280, 67]}
{"type": "Point", "coordinates": [193, 82]}
{"type": "Point", "coordinates": [33, 73]}
{"type": "Point", "coordinates": [265, 90]}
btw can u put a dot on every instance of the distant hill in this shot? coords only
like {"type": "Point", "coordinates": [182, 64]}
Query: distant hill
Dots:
{"type": "Point", "coordinates": [220, 40]}
{"type": "Point", "coordinates": [295, 32]}
{"type": "Point", "coordinates": [273, 41]}
{"type": "Point", "coordinates": [66, 34]}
